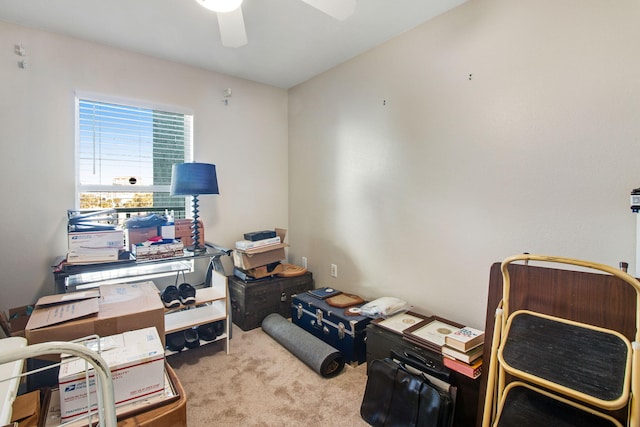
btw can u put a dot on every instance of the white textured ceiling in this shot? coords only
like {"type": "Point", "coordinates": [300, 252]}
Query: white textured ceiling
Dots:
{"type": "Point", "coordinates": [289, 41]}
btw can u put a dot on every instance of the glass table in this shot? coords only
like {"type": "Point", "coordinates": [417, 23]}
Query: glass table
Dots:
{"type": "Point", "coordinates": [75, 277]}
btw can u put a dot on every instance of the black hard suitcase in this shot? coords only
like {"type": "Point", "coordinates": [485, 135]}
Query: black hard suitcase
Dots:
{"type": "Point", "coordinates": [252, 301]}
{"type": "Point", "coordinates": [380, 343]}
{"type": "Point", "coordinates": [342, 331]}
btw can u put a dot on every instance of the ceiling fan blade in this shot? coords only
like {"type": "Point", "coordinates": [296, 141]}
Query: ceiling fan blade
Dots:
{"type": "Point", "coordinates": [339, 9]}
{"type": "Point", "coordinates": [232, 31]}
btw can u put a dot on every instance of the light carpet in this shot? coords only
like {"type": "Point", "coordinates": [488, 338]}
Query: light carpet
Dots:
{"type": "Point", "coordinates": [260, 383]}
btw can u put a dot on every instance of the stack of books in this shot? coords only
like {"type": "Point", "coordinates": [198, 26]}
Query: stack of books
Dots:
{"type": "Point", "coordinates": [244, 245]}
{"type": "Point", "coordinates": [462, 351]}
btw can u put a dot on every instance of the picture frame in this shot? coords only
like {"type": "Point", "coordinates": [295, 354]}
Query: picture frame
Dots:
{"type": "Point", "coordinates": [431, 332]}
{"type": "Point", "coordinates": [398, 323]}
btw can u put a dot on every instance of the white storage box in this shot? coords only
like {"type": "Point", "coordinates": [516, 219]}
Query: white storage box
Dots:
{"type": "Point", "coordinates": [164, 250]}
{"type": "Point", "coordinates": [113, 239]}
{"type": "Point", "coordinates": [136, 361]}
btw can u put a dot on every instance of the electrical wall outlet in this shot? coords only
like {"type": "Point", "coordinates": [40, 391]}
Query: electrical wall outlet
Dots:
{"type": "Point", "coordinates": [304, 262]}
{"type": "Point", "coordinates": [334, 270]}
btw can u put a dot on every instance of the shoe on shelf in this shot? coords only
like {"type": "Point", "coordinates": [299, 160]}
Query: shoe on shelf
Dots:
{"type": "Point", "coordinates": [175, 341]}
{"type": "Point", "coordinates": [170, 297]}
{"type": "Point", "coordinates": [219, 327]}
{"type": "Point", "coordinates": [207, 332]}
{"type": "Point", "coordinates": [191, 338]}
{"type": "Point", "coordinates": [187, 294]}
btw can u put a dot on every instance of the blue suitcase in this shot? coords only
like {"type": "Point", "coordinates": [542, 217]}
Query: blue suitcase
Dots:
{"type": "Point", "coordinates": [344, 332]}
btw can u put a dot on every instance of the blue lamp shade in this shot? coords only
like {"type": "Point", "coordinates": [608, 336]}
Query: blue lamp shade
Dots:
{"type": "Point", "coordinates": [189, 179]}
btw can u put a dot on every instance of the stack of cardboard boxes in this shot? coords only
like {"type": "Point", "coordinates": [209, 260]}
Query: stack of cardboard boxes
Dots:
{"type": "Point", "coordinates": [128, 318]}
{"type": "Point", "coordinates": [108, 310]}
{"type": "Point", "coordinates": [259, 254]}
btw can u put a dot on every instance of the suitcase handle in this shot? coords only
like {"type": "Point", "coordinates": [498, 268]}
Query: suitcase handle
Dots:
{"type": "Point", "coordinates": [420, 363]}
{"type": "Point", "coordinates": [411, 355]}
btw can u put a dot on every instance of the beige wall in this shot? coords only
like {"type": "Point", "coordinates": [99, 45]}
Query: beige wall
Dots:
{"type": "Point", "coordinates": [497, 128]}
{"type": "Point", "coordinates": [247, 140]}
{"type": "Point", "coordinates": [509, 127]}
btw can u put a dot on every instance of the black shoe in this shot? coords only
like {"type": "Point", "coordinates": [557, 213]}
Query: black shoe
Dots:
{"type": "Point", "coordinates": [171, 297]}
{"type": "Point", "coordinates": [219, 327]}
{"type": "Point", "coordinates": [175, 341]}
{"type": "Point", "coordinates": [207, 332]}
{"type": "Point", "coordinates": [191, 338]}
{"type": "Point", "coordinates": [187, 294]}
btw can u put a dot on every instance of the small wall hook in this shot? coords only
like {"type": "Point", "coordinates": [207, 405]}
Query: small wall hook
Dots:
{"type": "Point", "coordinates": [19, 50]}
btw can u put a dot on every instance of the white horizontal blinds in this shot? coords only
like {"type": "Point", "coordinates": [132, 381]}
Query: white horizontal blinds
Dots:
{"type": "Point", "coordinates": [125, 154]}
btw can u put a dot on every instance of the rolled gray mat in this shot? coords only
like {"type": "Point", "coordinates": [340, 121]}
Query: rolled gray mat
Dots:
{"type": "Point", "coordinates": [315, 353]}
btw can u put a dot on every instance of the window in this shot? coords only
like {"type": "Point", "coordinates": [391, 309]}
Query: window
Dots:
{"type": "Point", "coordinates": [125, 153]}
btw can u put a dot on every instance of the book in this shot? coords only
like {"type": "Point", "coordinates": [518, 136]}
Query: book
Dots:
{"type": "Point", "coordinates": [467, 357]}
{"type": "Point", "coordinates": [473, 370]}
{"type": "Point", "coordinates": [243, 245]}
{"type": "Point", "coordinates": [324, 293]}
{"type": "Point", "coordinates": [464, 339]}
{"type": "Point", "coordinates": [260, 235]}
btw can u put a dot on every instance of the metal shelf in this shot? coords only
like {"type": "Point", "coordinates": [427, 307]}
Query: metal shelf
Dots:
{"type": "Point", "coordinates": [194, 316]}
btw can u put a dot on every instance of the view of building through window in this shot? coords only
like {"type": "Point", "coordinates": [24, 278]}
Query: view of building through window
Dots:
{"type": "Point", "coordinates": [125, 154]}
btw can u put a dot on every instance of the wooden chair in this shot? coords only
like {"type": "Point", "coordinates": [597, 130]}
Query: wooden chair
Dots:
{"type": "Point", "coordinates": [551, 371]}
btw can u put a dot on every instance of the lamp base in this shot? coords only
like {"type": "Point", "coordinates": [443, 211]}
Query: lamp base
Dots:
{"type": "Point", "coordinates": [196, 250]}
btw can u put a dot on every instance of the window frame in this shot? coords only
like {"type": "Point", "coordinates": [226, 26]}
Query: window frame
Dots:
{"type": "Point", "coordinates": [134, 103]}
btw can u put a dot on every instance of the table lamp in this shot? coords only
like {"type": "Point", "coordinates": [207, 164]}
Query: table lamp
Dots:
{"type": "Point", "coordinates": [194, 179]}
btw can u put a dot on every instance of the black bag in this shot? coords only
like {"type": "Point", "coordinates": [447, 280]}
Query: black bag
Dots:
{"type": "Point", "coordinates": [396, 397]}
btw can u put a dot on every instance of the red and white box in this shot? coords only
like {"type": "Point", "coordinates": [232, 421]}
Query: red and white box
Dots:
{"type": "Point", "coordinates": [136, 361]}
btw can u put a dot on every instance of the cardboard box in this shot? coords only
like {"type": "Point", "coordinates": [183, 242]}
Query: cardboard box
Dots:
{"type": "Point", "coordinates": [120, 308]}
{"type": "Point", "coordinates": [247, 261]}
{"type": "Point", "coordinates": [92, 256]}
{"type": "Point", "coordinates": [136, 362]}
{"type": "Point", "coordinates": [183, 231]}
{"type": "Point", "coordinates": [165, 409]}
{"type": "Point", "coordinates": [26, 409]}
{"type": "Point", "coordinates": [263, 271]}
{"type": "Point", "coordinates": [18, 319]}
{"type": "Point", "coordinates": [139, 235]}
{"type": "Point", "coordinates": [96, 239]}
{"type": "Point", "coordinates": [257, 257]}
{"type": "Point", "coordinates": [54, 309]}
